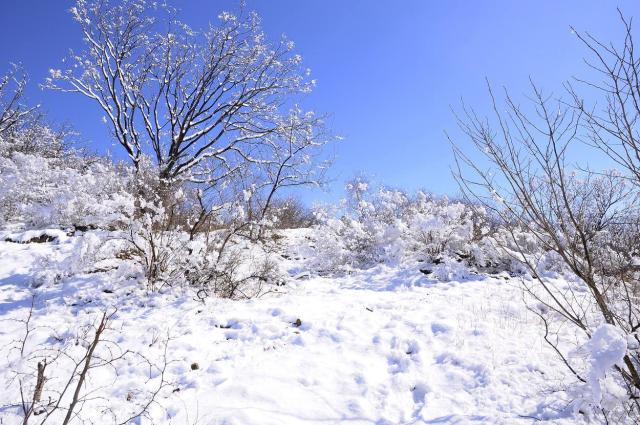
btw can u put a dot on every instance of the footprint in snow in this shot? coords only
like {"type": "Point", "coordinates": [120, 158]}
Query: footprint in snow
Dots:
{"type": "Point", "coordinates": [276, 312]}
{"type": "Point", "coordinates": [471, 375]}
{"type": "Point", "coordinates": [404, 353]}
{"type": "Point", "coordinates": [419, 391]}
{"type": "Point", "coordinates": [439, 328]}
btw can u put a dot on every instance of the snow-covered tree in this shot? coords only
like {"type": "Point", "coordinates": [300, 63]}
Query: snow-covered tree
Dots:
{"type": "Point", "coordinates": [205, 105]}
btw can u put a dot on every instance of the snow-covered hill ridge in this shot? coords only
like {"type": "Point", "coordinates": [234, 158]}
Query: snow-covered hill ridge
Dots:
{"type": "Point", "coordinates": [387, 345]}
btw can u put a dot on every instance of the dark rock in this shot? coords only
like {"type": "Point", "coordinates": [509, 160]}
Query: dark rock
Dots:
{"type": "Point", "coordinates": [43, 238]}
{"type": "Point", "coordinates": [81, 228]}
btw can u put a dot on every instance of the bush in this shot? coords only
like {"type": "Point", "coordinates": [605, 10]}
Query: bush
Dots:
{"type": "Point", "coordinates": [291, 213]}
{"type": "Point", "coordinates": [45, 187]}
{"type": "Point", "coordinates": [391, 226]}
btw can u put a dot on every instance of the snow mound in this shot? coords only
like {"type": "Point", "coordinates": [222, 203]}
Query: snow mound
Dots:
{"type": "Point", "coordinates": [605, 349]}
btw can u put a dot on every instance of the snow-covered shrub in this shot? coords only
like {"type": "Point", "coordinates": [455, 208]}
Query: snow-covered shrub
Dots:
{"type": "Point", "coordinates": [228, 256]}
{"type": "Point", "coordinates": [290, 213]}
{"type": "Point", "coordinates": [449, 269]}
{"type": "Point", "coordinates": [43, 185]}
{"type": "Point", "coordinates": [153, 233]}
{"type": "Point", "coordinates": [599, 356]}
{"type": "Point", "coordinates": [509, 248]}
{"type": "Point", "coordinates": [385, 225]}
{"type": "Point", "coordinates": [243, 270]}
{"type": "Point", "coordinates": [211, 263]}
{"type": "Point", "coordinates": [84, 252]}
{"type": "Point", "coordinates": [229, 263]}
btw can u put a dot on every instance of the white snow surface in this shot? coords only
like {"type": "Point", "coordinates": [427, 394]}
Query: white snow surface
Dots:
{"type": "Point", "coordinates": [380, 346]}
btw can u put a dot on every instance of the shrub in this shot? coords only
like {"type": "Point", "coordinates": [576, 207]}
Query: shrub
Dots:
{"type": "Point", "coordinates": [40, 190]}
{"type": "Point", "coordinates": [391, 226]}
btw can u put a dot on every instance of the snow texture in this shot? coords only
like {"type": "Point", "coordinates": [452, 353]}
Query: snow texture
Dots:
{"type": "Point", "coordinates": [386, 345]}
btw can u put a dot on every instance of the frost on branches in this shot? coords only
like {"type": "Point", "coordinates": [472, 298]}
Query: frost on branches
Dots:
{"type": "Point", "coordinates": [390, 226]}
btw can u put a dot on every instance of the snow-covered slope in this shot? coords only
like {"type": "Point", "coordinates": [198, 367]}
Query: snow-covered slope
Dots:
{"type": "Point", "coordinates": [381, 346]}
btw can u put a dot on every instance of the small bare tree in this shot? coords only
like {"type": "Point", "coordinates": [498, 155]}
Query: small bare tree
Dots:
{"type": "Point", "coordinates": [588, 220]}
{"type": "Point", "coordinates": [22, 127]}
{"type": "Point", "coordinates": [12, 109]}
{"type": "Point", "coordinates": [60, 385]}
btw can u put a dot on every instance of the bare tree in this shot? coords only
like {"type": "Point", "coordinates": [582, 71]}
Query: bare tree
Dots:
{"type": "Point", "coordinates": [612, 125]}
{"type": "Point", "coordinates": [58, 389]}
{"type": "Point", "coordinates": [589, 221]}
{"type": "Point", "coordinates": [12, 109]}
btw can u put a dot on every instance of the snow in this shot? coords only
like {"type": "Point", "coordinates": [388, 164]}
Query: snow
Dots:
{"type": "Point", "coordinates": [29, 235]}
{"type": "Point", "coordinates": [386, 345]}
{"type": "Point", "coordinates": [605, 349]}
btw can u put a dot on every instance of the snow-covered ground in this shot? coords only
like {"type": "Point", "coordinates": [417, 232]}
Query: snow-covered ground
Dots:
{"type": "Point", "coordinates": [381, 346]}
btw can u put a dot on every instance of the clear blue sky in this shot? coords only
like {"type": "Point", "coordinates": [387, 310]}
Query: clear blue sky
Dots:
{"type": "Point", "coordinates": [388, 71]}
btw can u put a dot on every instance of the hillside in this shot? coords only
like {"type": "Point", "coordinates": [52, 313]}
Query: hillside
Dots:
{"type": "Point", "coordinates": [385, 345]}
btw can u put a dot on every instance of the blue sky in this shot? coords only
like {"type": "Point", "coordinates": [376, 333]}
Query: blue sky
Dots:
{"type": "Point", "coordinates": [388, 71]}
